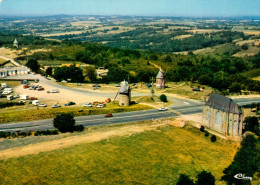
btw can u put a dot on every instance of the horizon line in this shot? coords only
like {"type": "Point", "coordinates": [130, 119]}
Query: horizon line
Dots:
{"type": "Point", "coordinates": [126, 15]}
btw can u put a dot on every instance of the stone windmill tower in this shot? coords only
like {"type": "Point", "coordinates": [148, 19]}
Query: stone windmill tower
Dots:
{"type": "Point", "coordinates": [160, 82]}
{"type": "Point", "coordinates": [16, 44]}
{"type": "Point", "coordinates": [124, 94]}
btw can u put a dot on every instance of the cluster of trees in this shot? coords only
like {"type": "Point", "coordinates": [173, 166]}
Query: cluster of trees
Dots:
{"type": "Point", "coordinates": [72, 73]}
{"type": "Point", "coordinates": [141, 38]}
{"type": "Point", "coordinates": [220, 73]}
{"type": "Point", "coordinates": [246, 162]}
{"type": "Point", "coordinates": [7, 40]}
{"type": "Point", "coordinates": [203, 178]}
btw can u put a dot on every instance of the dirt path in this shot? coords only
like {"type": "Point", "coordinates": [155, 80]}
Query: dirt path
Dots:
{"type": "Point", "coordinates": [75, 140]}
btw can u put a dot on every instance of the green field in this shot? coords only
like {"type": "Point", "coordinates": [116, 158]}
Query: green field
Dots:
{"type": "Point", "coordinates": [150, 157]}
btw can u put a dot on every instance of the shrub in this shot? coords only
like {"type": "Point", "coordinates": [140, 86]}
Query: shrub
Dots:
{"type": "Point", "coordinates": [64, 122]}
{"type": "Point", "coordinates": [205, 178]}
{"type": "Point", "coordinates": [252, 124]}
{"type": "Point", "coordinates": [206, 133]}
{"type": "Point", "coordinates": [163, 98]}
{"type": "Point", "coordinates": [184, 180]}
{"type": "Point", "coordinates": [79, 128]}
{"type": "Point", "coordinates": [213, 138]}
{"type": "Point", "coordinates": [202, 129]}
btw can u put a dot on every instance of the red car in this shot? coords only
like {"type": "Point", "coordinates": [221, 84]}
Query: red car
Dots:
{"type": "Point", "coordinates": [109, 115]}
{"type": "Point", "coordinates": [40, 89]}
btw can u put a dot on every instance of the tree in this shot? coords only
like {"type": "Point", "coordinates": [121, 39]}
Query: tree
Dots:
{"type": "Point", "coordinates": [33, 65]}
{"type": "Point", "coordinates": [213, 138]}
{"type": "Point", "coordinates": [64, 122]}
{"type": "Point", "coordinates": [252, 124]}
{"type": "Point", "coordinates": [235, 88]}
{"type": "Point", "coordinates": [184, 180]}
{"type": "Point", "coordinates": [90, 73]}
{"type": "Point", "coordinates": [246, 162]}
{"type": "Point", "coordinates": [205, 178]}
{"type": "Point", "coordinates": [163, 98]}
{"type": "Point", "coordinates": [115, 74]}
{"type": "Point", "coordinates": [49, 71]}
{"type": "Point", "coordinates": [244, 46]}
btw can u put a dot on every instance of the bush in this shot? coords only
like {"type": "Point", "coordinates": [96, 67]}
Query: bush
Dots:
{"type": "Point", "coordinates": [163, 98]}
{"type": "Point", "coordinates": [184, 180]}
{"type": "Point", "coordinates": [252, 124]}
{"type": "Point", "coordinates": [64, 122]}
{"type": "Point", "coordinates": [205, 178]}
{"type": "Point", "coordinates": [206, 133]}
{"type": "Point", "coordinates": [202, 129]}
{"type": "Point", "coordinates": [213, 138]}
{"type": "Point", "coordinates": [79, 128]}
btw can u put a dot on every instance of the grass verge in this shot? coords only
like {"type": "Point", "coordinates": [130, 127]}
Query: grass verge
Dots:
{"type": "Point", "coordinates": [14, 114]}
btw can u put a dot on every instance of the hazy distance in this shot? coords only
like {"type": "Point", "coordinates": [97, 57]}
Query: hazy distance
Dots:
{"type": "Point", "coordinates": [220, 8]}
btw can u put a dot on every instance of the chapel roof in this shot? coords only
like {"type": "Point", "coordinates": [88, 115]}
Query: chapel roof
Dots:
{"type": "Point", "coordinates": [223, 103]}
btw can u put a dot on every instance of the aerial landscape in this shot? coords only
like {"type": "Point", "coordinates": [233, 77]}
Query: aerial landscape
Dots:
{"type": "Point", "coordinates": [130, 92]}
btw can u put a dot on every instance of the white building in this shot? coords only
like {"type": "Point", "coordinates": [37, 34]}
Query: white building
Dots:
{"type": "Point", "coordinates": [12, 71]}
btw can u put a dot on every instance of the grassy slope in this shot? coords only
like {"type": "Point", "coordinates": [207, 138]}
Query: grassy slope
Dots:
{"type": "Point", "coordinates": [151, 157]}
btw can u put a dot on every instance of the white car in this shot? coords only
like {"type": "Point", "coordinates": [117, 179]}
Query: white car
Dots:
{"type": "Point", "coordinates": [100, 106]}
{"type": "Point", "coordinates": [55, 91]}
{"type": "Point", "coordinates": [162, 109]}
{"type": "Point", "coordinates": [42, 105]}
{"type": "Point", "coordinates": [56, 106]}
{"type": "Point", "coordinates": [88, 105]}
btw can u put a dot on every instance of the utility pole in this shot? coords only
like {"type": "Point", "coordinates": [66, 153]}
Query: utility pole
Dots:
{"type": "Point", "coordinates": [152, 91]}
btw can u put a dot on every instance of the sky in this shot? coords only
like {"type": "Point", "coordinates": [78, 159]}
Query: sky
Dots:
{"type": "Point", "coordinates": [132, 7]}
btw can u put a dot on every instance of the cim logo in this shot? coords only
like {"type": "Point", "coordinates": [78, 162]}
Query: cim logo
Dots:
{"type": "Point", "coordinates": [242, 177]}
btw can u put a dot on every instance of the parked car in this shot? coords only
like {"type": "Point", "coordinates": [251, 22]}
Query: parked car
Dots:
{"type": "Point", "coordinates": [42, 105]}
{"type": "Point", "coordinates": [118, 85]}
{"type": "Point", "coordinates": [24, 97]}
{"type": "Point", "coordinates": [10, 97]}
{"type": "Point", "coordinates": [33, 98]}
{"type": "Point", "coordinates": [56, 106]}
{"type": "Point", "coordinates": [88, 105]}
{"type": "Point", "coordinates": [64, 81]}
{"type": "Point", "coordinates": [22, 101]}
{"type": "Point", "coordinates": [196, 89]}
{"type": "Point", "coordinates": [35, 87]}
{"type": "Point", "coordinates": [96, 85]}
{"type": "Point", "coordinates": [40, 89]}
{"type": "Point", "coordinates": [148, 85]}
{"type": "Point", "coordinates": [100, 106]}
{"type": "Point", "coordinates": [162, 109]}
{"type": "Point", "coordinates": [55, 91]}
{"type": "Point", "coordinates": [109, 115]}
{"type": "Point", "coordinates": [35, 102]}
{"type": "Point", "coordinates": [25, 86]}
{"type": "Point", "coordinates": [70, 103]}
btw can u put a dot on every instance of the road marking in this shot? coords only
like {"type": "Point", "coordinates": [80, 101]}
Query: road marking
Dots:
{"type": "Point", "coordinates": [123, 117]}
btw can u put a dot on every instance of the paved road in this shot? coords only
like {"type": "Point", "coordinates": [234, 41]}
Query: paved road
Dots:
{"type": "Point", "coordinates": [180, 107]}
